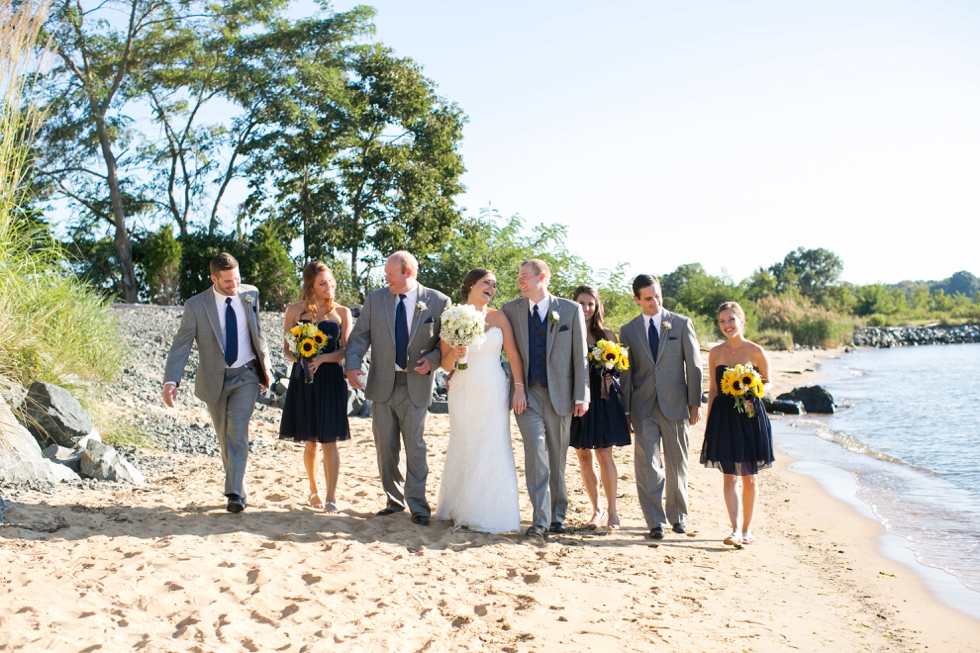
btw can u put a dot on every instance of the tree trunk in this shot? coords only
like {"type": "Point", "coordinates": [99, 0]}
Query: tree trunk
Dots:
{"type": "Point", "coordinates": [124, 248]}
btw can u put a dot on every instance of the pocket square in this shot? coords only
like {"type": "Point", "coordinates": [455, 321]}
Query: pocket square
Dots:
{"type": "Point", "coordinates": [673, 337]}
{"type": "Point", "coordinates": [430, 320]}
{"type": "Point", "coordinates": [563, 327]}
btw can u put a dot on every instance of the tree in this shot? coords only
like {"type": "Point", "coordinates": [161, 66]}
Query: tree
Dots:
{"type": "Point", "coordinates": [162, 267]}
{"type": "Point", "coordinates": [961, 282]}
{"type": "Point", "coordinates": [367, 171]}
{"type": "Point", "coordinates": [268, 267]}
{"type": "Point", "coordinates": [815, 270]}
{"type": "Point", "coordinates": [762, 283]}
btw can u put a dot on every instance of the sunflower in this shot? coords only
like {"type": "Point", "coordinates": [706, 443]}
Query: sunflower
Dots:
{"type": "Point", "coordinates": [726, 383]}
{"type": "Point", "coordinates": [296, 331]}
{"type": "Point", "coordinates": [757, 388]}
{"type": "Point", "coordinates": [319, 338]}
{"type": "Point", "coordinates": [307, 347]}
{"type": "Point", "coordinates": [623, 362]}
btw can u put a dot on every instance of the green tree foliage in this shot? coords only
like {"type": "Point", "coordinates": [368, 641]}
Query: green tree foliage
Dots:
{"type": "Point", "coordinates": [691, 290]}
{"type": "Point", "coordinates": [812, 271]}
{"type": "Point", "coordinates": [267, 266]}
{"type": "Point", "coordinates": [162, 267]}
{"type": "Point", "coordinates": [962, 282]}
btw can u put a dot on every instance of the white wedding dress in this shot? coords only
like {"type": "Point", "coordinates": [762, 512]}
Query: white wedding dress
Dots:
{"type": "Point", "coordinates": [479, 478]}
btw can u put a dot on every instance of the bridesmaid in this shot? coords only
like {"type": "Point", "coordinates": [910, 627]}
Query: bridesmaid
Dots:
{"type": "Point", "coordinates": [317, 413]}
{"type": "Point", "coordinates": [604, 425]}
{"type": "Point", "coordinates": [735, 443]}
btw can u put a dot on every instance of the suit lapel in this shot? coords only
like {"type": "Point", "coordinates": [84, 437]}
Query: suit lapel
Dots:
{"type": "Point", "coordinates": [522, 318]}
{"type": "Point", "coordinates": [422, 296]}
{"type": "Point", "coordinates": [664, 321]}
{"type": "Point", "coordinates": [549, 327]}
{"type": "Point", "coordinates": [642, 337]}
{"type": "Point", "coordinates": [389, 302]}
{"type": "Point", "coordinates": [211, 310]}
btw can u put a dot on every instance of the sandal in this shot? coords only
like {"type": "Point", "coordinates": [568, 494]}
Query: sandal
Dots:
{"type": "Point", "coordinates": [595, 522]}
{"type": "Point", "coordinates": [733, 540]}
{"type": "Point", "coordinates": [330, 508]}
{"type": "Point", "coordinates": [747, 538]}
{"type": "Point", "coordinates": [613, 524]}
{"type": "Point", "coordinates": [316, 502]}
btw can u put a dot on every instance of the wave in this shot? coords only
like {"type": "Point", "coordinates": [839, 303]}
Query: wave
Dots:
{"type": "Point", "coordinates": [848, 442]}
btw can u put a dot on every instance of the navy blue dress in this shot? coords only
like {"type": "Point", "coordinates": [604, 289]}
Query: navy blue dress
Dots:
{"type": "Point", "coordinates": [734, 442]}
{"type": "Point", "coordinates": [604, 424]}
{"type": "Point", "coordinates": [317, 412]}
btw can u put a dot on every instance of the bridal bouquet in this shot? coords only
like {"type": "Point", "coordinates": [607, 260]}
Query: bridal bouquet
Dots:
{"type": "Point", "coordinates": [463, 326]}
{"type": "Point", "coordinates": [744, 383]}
{"type": "Point", "coordinates": [306, 341]}
{"type": "Point", "coordinates": [609, 357]}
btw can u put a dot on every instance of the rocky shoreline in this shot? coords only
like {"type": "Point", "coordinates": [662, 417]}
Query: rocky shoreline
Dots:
{"type": "Point", "coordinates": [910, 336]}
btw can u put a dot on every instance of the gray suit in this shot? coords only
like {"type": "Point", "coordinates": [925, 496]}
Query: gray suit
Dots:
{"type": "Point", "coordinates": [546, 422]}
{"type": "Point", "coordinates": [658, 395]}
{"type": "Point", "coordinates": [229, 393]}
{"type": "Point", "coordinates": [401, 399]}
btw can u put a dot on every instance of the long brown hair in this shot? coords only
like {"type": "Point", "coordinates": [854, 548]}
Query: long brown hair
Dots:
{"type": "Point", "coordinates": [595, 324]}
{"type": "Point", "coordinates": [470, 280]}
{"type": "Point", "coordinates": [310, 273]}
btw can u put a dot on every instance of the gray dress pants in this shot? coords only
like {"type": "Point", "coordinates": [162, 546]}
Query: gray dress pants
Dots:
{"type": "Point", "coordinates": [545, 434]}
{"type": "Point", "coordinates": [395, 421]}
{"type": "Point", "coordinates": [659, 481]}
{"type": "Point", "coordinates": [230, 416]}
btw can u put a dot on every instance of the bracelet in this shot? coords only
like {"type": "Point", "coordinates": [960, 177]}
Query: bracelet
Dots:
{"type": "Point", "coordinates": [520, 384]}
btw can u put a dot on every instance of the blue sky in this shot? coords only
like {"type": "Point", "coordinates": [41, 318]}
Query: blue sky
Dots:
{"type": "Point", "coordinates": [725, 133]}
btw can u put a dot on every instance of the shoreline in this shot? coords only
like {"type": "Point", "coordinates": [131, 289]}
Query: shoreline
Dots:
{"type": "Point", "coordinates": [164, 567]}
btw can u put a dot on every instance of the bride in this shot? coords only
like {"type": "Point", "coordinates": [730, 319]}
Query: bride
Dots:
{"type": "Point", "coordinates": [479, 479]}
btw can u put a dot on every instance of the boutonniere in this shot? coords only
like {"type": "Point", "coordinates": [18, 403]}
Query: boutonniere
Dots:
{"type": "Point", "coordinates": [420, 307]}
{"type": "Point", "coordinates": [668, 326]}
{"type": "Point", "coordinates": [248, 299]}
{"type": "Point", "coordinates": [554, 317]}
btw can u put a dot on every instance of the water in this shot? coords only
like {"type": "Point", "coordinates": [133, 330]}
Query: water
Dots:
{"type": "Point", "coordinates": [909, 437]}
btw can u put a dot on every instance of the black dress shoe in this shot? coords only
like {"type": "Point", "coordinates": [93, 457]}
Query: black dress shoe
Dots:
{"type": "Point", "coordinates": [236, 504]}
{"type": "Point", "coordinates": [557, 527]}
{"type": "Point", "coordinates": [535, 531]}
{"type": "Point", "coordinates": [421, 520]}
{"type": "Point", "coordinates": [389, 511]}
{"type": "Point", "coordinates": [680, 527]}
{"type": "Point", "coordinates": [657, 533]}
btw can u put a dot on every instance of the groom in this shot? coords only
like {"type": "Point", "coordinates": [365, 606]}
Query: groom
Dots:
{"type": "Point", "coordinates": [233, 368]}
{"type": "Point", "coordinates": [401, 325]}
{"type": "Point", "coordinates": [551, 339]}
{"type": "Point", "coordinates": [662, 396]}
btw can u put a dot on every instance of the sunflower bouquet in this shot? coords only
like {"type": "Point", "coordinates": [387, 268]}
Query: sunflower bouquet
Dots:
{"type": "Point", "coordinates": [609, 358]}
{"type": "Point", "coordinates": [463, 326]}
{"type": "Point", "coordinates": [744, 383]}
{"type": "Point", "coordinates": [306, 341]}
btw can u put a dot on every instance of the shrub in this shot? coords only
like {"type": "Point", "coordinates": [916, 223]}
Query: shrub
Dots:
{"type": "Point", "coordinates": [268, 267]}
{"type": "Point", "coordinates": [775, 340]}
{"type": "Point", "coordinates": [877, 320]}
{"type": "Point", "coordinates": [809, 325]}
{"type": "Point", "coordinates": [162, 267]}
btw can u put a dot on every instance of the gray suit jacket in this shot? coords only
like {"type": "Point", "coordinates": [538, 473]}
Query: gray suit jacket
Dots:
{"type": "Point", "coordinates": [200, 323]}
{"type": "Point", "coordinates": [567, 365]}
{"type": "Point", "coordinates": [375, 328]}
{"type": "Point", "coordinates": [674, 379]}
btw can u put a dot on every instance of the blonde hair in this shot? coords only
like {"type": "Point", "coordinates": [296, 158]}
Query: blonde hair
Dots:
{"type": "Point", "coordinates": [539, 267]}
{"type": "Point", "coordinates": [734, 308]}
{"type": "Point", "coordinates": [312, 270]}
{"type": "Point", "coordinates": [408, 261]}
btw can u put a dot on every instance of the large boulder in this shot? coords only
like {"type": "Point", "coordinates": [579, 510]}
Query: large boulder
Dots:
{"type": "Point", "coordinates": [21, 460]}
{"type": "Point", "coordinates": [54, 415]}
{"type": "Point", "coordinates": [70, 458]}
{"type": "Point", "coordinates": [103, 463]}
{"type": "Point", "coordinates": [814, 399]}
{"type": "Point", "coordinates": [783, 407]}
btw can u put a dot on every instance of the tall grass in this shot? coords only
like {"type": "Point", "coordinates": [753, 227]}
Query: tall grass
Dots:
{"type": "Point", "coordinates": [808, 324]}
{"type": "Point", "coordinates": [52, 327]}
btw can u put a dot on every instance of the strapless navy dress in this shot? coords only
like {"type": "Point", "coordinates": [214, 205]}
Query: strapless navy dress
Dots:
{"type": "Point", "coordinates": [317, 412]}
{"type": "Point", "coordinates": [604, 424]}
{"type": "Point", "coordinates": [733, 442]}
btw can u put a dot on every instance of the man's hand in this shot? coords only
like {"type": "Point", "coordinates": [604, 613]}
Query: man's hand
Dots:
{"type": "Point", "coordinates": [169, 394]}
{"type": "Point", "coordinates": [268, 383]}
{"type": "Point", "coordinates": [580, 409]}
{"type": "Point", "coordinates": [424, 366]}
{"type": "Point", "coordinates": [695, 414]}
{"type": "Point", "coordinates": [354, 378]}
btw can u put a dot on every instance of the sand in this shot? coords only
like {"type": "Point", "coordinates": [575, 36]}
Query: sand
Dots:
{"type": "Point", "coordinates": [165, 568]}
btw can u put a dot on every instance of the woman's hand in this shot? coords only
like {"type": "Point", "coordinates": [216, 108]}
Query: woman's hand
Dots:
{"type": "Point", "coordinates": [520, 400]}
{"type": "Point", "coordinates": [313, 364]}
{"type": "Point", "coordinates": [460, 352]}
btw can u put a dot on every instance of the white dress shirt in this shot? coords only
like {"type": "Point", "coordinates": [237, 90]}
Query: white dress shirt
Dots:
{"type": "Point", "coordinates": [543, 307]}
{"type": "Point", "coordinates": [411, 300]}
{"type": "Point", "coordinates": [657, 322]}
{"type": "Point", "coordinates": [245, 351]}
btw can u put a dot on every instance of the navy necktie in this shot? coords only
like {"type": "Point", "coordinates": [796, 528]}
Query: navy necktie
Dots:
{"type": "Point", "coordinates": [401, 334]}
{"type": "Point", "coordinates": [231, 333]}
{"type": "Point", "coordinates": [654, 340]}
{"type": "Point", "coordinates": [537, 316]}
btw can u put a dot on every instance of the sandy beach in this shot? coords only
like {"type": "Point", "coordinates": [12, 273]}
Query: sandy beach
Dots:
{"type": "Point", "coordinates": [163, 567]}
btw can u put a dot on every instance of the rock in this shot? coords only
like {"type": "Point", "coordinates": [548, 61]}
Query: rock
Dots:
{"type": "Point", "coordinates": [366, 408]}
{"type": "Point", "coordinates": [3, 507]}
{"type": "Point", "coordinates": [784, 407]}
{"type": "Point", "coordinates": [13, 393]}
{"type": "Point", "coordinates": [103, 463]}
{"type": "Point", "coordinates": [814, 399]}
{"type": "Point", "coordinates": [281, 386]}
{"type": "Point", "coordinates": [62, 473]}
{"type": "Point", "coordinates": [55, 415]}
{"type": "Point", "coordinates": [439, 407]}
{"type": "Point", "coordinates": [70, 458]}
{"type": "Point", "coordinates": [93, 436]}
{"type": "Point", "coordinates": [21, 460]}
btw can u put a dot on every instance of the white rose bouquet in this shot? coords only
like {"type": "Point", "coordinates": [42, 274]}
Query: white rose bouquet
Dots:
{"type": "Point", "coordinates": [463, 326]}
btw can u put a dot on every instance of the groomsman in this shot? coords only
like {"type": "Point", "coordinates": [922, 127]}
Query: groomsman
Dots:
{"type": "Point", "coordinates": [401, 325]}
{"type": "Point", "coordinates": [662, 396]}
{"type": "Point", "coordinates": [233, 367]}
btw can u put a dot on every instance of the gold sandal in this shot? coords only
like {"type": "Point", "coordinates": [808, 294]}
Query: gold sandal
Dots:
{"type": "Point", "coordinates": [319, 505]}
